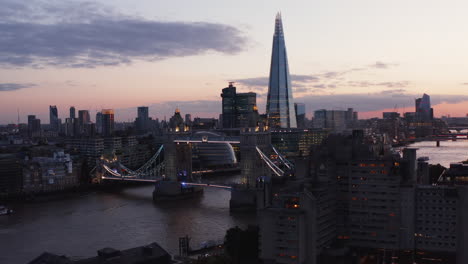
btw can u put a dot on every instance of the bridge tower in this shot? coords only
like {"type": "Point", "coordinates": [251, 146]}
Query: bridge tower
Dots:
{"type": "Point", "coordinates": [178, 157]}
{"type": "Point", "coordinates": [252, 165]}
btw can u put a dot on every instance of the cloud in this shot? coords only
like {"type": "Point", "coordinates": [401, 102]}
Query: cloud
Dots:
{"type": "Point", "coordinates": [88, 35]}
{"type": "Point", "coordinates": [382, 65]}
{"type": "Point", "coordinates": [398, 84]}
{"type": "Point", "coordinates": [255, 82]}
{"type": "Point", "coordinates": [14, 86]}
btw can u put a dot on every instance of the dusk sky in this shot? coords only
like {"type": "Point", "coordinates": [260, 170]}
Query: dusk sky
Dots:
{"type": "Point", "coordinates": [366, 54]}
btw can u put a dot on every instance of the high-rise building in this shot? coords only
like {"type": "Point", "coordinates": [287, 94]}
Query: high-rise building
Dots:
{"type": "Point", "coordinates": [83, 120]}
{"type": "Point", "coordinates": [54, 121]}
{"type": "Point", "coordinates": [70, 127]}
{"type": "Point", "coordinates": [280, 103]}
{"type": "Point", "coordinates": [72, 112]}
{"type": "Point", "coordinates": [188, 119]}
{"type": "Point", "coordinates": [142, 120]}
{"type": "Point", "coordinates": [300, 114]}
{"type": "Point", "coordinates": [107, 122]}
{"type": "Point", "coordinates": [34, 126]}
{"type": "Point", "coordinates": [337, 120]}
{"type": "Point", "coordinates": [239, 109]}
{"type": "Point", "coordinates": [30, 122]}
{"type": "Point", "coordinates": [423, 110]}
{"type": "Point", "coordinates": [83, 117]}
{"type": "Point", "coordinates": [99, 122]}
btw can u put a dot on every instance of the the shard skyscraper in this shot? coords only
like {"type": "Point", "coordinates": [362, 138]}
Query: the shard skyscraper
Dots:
{"type": "Point", "coordinates": [280, 103]}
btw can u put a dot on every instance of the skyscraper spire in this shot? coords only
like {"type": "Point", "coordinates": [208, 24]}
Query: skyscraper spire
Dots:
{"type": "Point", "coordinates": [280, 104]}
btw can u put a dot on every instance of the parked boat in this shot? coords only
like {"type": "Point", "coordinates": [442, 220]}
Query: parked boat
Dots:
{"type": "Point", "coordinates": [423, 158]}
{"type": "Point", "coordinates": [5, 211]}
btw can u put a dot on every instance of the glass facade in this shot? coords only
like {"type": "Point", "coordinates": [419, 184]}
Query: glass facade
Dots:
{"type": "Point", "coordinates": [239, 109]}
{"type": "Point", "coordinates": [53, 115]}
{"type": "Point", "coordinates": [280, 104]}
{"type": "Point", "coordinates": [424, 111]}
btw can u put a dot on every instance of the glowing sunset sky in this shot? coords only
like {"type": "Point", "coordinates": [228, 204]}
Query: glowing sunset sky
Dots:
{"type": "Point", "coordinates": [366, 54]}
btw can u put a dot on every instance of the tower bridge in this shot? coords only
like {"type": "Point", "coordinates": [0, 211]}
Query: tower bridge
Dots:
{"type": "Point", "coordinates": [170, 168]}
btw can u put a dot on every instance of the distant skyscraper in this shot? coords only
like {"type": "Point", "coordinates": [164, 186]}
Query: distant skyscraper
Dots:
{"type": "Point", "coordinates": [99, 122]}
{"type": "Point", "coordinates": [423, 110]}
{"type": "Point", "coordinates": [188, 119]}
{"type": "Point", "coordinates": [83, 117]}
{"type": "Point", "coordinates": [300, 114]}
{"type": "Point", "coordinates": [72, 112]}
{"type": "Point", "coordinates": [142, 120]}
{"type": "Point", "coordinates": [54, 121]}
{"type": "Point", "coordinates": [31, 119]}
{"type": "Point", "coordinates": [280, 103]}
{"type": "Point", "coordinates": [107, 122]}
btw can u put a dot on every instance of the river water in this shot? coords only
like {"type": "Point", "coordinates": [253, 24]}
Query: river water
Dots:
{"type": "Point", "coordinates": [448, 152]}
{"type": "Point", "coordinates": [79, 226]}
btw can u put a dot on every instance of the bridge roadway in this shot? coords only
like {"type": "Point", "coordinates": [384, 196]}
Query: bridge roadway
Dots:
{"type": "Point", "coordinates": [134, 179]}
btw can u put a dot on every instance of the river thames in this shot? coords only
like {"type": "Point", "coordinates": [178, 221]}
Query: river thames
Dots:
{"type": "Point", "coordinates": [79, 226]}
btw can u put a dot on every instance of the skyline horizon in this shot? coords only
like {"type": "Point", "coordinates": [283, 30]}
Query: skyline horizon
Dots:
{"type": "Point", "coordinates": [129, 111]}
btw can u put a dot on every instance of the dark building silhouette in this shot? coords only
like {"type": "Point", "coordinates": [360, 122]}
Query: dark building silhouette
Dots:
{"type": "Point", "coordinates": [72, 112]}
{"type": "Point", "coordinates": [142, 121]}
{"type": "Point", "coordinates": [107, 122]}
{"type": "Point", "coordinates": [239, 109]}
{"type": "Point", "coordinates": [53, 115]}
{"type": "Point", "coordinates": [300, 114]}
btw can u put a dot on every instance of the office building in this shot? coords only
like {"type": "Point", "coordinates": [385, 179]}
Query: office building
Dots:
{"type": "Point", "coordinates": [280, 103]}
{"type": "Point", "coordinates": [423, 109]}
{"type": "Point", "coordinates": [300, 114]}
{"type": "Point", "coordinates": [72, 112]}
{"type": "Point", "coordinates": [70, 127]}
{"type": "Point", "coordinates": [336, 120]}
{"type": "Point", "coordinates": [107, 122]}
{"type": "Point", "coordinates": [53, 115]}
{"type": "Point", "coordinates": [33, 126]}
{"type": "Point", "coordinates": [188, 119]}
{"type": "Point", "coordinates": [142, 121]}
{"type": "Point", "coordinates": [89, 147]}
{"type": "Point", "coordinates": [390, 115]}
{"type": "Point", "coordinates": [297, 142]}
{"type": "Point", "coordinates": [99, 122]}
{"type": "Point", "coordinates": [238, 109]}
{"type": "Point", "coordinates": [83, 117]}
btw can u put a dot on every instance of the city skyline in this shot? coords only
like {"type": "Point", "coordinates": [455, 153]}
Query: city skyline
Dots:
{"type": "Point", "coordinates": [369, 60]}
